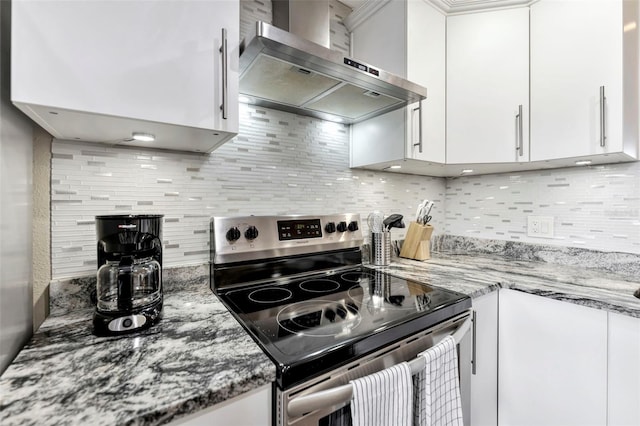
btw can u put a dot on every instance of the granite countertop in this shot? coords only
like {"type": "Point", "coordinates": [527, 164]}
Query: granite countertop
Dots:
{"type": "Point", "coordinates": [198, 355]}
{"type": "Point", "coordinates": [195, 357]}
{"type": "Point", "coordinates": [479, 274]}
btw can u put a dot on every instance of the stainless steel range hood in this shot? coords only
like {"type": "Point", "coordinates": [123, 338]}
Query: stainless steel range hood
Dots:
{"type": "Point", "coordinates": [284, 71]}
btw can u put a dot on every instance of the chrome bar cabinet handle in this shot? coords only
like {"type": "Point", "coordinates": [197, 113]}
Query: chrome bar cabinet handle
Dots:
{"type": "Point", "coordinates": [474, 361]}
{"type": "Point", "coordinates": [419, 144]}
{"type": "Point", "coordinates": [519, 139]}
{"type": "Point", "coordinates": [603, 118]}
{"type": "Point", "coordinates": [225, 71]}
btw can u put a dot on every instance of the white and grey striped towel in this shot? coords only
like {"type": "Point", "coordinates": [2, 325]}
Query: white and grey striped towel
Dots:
{"type": "Point", "coordinates": [437, 389]}
{"type": "Point", "coordinates": [383, 398]}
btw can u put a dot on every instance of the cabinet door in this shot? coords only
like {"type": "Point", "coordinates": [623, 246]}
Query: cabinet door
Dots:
{"type": "Point", "coordinates": [487, 82]}
{"type": "Point", "coordinates": [576, 47]}
{"type": "Point", "coordinates": [380, 139]}
{"type": "Point", "coordinates": [381, 39]}
{"type": "Point", "coordinates": [624, 370]}
{"type": "Point", "coordinates": [157, 62]}
{"type": "Point", "coordinates": [426, 65]}
{"type": "Point", "coordinates": [552, 362]}
{"type": "Point", "coordinates": [484, 383]}
{"type": "Point", "coordinates": [411, 45]}
{"type": "Point", "coordinates": [250, 409]}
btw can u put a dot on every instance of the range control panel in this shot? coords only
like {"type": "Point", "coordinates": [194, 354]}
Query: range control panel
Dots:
{"type": "Point", "coordinates": [299, 228]}
{"type": "Point", "coordinates": [261, 237]}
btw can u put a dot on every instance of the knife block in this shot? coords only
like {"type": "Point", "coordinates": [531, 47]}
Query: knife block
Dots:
{"type": "Point", "coordinates": [417, 242]}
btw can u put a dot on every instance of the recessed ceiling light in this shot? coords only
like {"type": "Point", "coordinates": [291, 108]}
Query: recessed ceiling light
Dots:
{"type": "Point", "coordinates": [143, 137]}
{"type": "Point", "coordinates": [583, 162]}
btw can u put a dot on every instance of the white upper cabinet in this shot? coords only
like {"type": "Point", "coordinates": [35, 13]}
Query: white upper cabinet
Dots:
{"type": "Point", "coordinates": [584, 78]}
{"type": "Point", "coordinates": [101, 70]}
{"type": "Point", "coordinates": [406, 38]}
{"type": "Point", "coordinates": [488, 87]}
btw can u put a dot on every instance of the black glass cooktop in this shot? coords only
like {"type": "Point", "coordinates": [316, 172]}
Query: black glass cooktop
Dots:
{"type": "Point", "coordinates": [314, 324]}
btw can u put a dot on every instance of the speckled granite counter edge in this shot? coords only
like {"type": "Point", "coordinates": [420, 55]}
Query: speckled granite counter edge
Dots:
{"type": "Point", "coordinates": [626, 264]}
{"type": "Point", "coordinates": [196, 357]}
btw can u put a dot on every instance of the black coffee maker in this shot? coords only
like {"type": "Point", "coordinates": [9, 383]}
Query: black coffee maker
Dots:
{"type": "Point", "coordinates": [129, 286]}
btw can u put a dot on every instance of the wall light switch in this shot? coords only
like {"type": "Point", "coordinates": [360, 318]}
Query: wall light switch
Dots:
{"type": "Point", "coordinates": [540, 226]}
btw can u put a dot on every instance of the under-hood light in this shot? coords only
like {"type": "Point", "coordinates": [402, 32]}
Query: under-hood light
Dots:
{"type": "Point", "coordinates": [583, 162]}
{"type": "Point", "coordinates": [143, 137]}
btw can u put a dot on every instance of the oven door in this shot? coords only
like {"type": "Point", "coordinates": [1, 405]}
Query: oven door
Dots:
{"type": "Point", "coordinates": [324, 401]}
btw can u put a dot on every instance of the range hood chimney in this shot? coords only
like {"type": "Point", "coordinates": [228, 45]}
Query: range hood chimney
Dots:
{"type": "Point", "coordinates": [306, 19]}
{"type": "Point", "coordinates": [289, 66]}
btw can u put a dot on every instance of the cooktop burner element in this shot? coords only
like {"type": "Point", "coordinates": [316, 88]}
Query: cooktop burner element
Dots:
{"type": "Point", "coordinates": [356, 277]}
{"type": "Point", "coordinates": [298, 286]}
{"type": "Point", "coordinates": [319, 318]}
{"type": "Point", "coordinates": [270, 295]}
{"type": "Point", "coordinates": [319, 286]}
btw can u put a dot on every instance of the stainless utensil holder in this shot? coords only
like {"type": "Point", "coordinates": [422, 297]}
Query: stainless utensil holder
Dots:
{"type": "Point", "coordinates": [380, 248]}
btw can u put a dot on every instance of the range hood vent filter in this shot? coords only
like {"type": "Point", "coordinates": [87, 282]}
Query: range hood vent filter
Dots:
{"type": "Point", "coordinates": [283, 71]}
{"type": "Point", "coordinates": [278, 81]}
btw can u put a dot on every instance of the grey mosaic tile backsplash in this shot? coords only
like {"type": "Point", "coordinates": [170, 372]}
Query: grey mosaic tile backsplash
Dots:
{"type": "Point", "coordinates": [595, 208]}
{"type": "Point", "coordinates": [279, 163]}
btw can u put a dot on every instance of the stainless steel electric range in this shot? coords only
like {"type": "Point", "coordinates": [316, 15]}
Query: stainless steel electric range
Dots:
{"type": "Point", "coordinates": [298, 286]}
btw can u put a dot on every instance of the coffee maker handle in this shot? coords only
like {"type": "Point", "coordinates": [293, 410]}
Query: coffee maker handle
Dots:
{"type": "Point", "coordinates": [125, 284]}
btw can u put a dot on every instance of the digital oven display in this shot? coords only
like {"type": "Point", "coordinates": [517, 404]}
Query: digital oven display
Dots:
{"type": "Point", "coordinates": [298, 229]}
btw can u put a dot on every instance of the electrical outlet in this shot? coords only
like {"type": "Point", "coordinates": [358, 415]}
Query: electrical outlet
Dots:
{"type": "Point", "coordinates": [540, 226]}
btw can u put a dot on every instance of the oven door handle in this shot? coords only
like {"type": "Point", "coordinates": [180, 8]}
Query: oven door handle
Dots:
{"type": "Point", "coordinates": [343, 394]}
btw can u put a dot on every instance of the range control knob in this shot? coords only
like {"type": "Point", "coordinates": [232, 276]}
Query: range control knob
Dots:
{"type": "Point", "coordinates": [330, 227]}
{"type": "Point", "coordinates": [233, 234]}
{"type": "Point", "coordinates": [251, 233]}
{"type": "Point", "coordinates": [342, 227]}
{"type": "Point", "coordinates": [353, 226]}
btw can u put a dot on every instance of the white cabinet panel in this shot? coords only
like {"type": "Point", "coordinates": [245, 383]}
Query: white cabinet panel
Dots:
{"type": "Point", "coordinates": [406, 38]}
{"type": "Point", "coordinates": [552, 362]}
{"type": "Point", "coordinates": [99, 70]}
{"type": "Point", "coordinates": [250, 409]}
{"type": "Point", "coordinates": [487, 81]}
{"type": "Point", "coordinates": [624, 371]}
{"type": "Point", "coordinates": [381, 39]}
{"type": "Point", "coordinates": [484, 383]}
{"type": "Point", "coordinates": [577, 48]}
{"type": "Point", "coordinates": [426, 65]}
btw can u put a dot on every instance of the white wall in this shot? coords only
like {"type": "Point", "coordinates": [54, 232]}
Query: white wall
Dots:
{"type": "Point", "coordinates": [15, 211]}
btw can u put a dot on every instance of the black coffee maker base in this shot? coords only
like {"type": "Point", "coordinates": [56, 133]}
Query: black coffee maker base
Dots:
{"type": "Point", "coordinates": [113, 324]}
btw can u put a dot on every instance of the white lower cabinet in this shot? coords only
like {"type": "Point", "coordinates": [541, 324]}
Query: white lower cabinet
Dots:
{"type": "Point", "coordinates": [624, 371]}
{"type": "Point", "coordinates": [484, 381]}
{"type": "Point", "coordinates": [552, 362]}
{"type": "Point", "coordinates": [249, 409]}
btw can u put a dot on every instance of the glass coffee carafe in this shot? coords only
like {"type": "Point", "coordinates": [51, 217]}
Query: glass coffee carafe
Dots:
{"type": "Point", "coordinates": [129, 284]}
